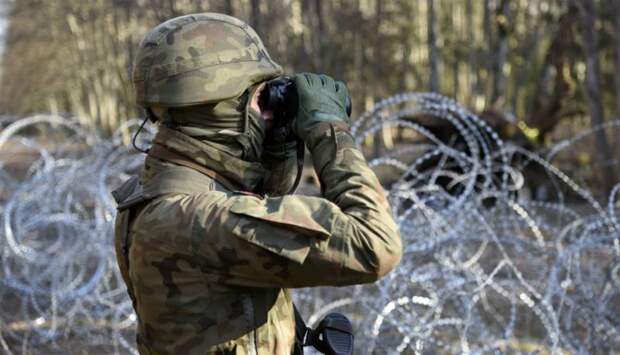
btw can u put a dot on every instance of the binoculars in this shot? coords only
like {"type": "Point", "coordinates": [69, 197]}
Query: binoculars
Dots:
{"type": "Point", "coordinates": [280, 97]}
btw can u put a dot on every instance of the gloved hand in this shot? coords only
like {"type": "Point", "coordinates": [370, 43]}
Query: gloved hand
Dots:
{"type": "Point", "coordinates": [321, 100]}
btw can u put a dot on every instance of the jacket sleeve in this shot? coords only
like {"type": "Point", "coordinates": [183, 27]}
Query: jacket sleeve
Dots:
{"type": "Point", "coordinates": [281, 161]}
{"type": "Point", "coordinates": [346, 237]}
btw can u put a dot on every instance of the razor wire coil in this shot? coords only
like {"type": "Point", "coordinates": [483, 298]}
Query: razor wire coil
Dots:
{"type": "Point", "coordinates": [484, 269]}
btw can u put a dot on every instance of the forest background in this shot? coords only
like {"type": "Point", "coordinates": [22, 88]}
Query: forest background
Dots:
{"type": "Point", "coordinates": [538, 71]}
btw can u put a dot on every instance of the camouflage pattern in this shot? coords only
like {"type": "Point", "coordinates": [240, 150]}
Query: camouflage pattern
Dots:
{"type": "Point", "coordinates": [209, 266]}
{"type": "Point", "coordinates": [199, 58]}
{"type": "Point", "coordinates": [281, 161]}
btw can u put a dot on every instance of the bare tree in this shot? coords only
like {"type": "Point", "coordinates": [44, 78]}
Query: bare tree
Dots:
{"type": "Point", "coordinates": [587, 11]}
{"type": "Point", "coordinates": [405, 44]}
{"type": "Point", "coordinates": [502, 18]}
{"type": "Point", "coordinates": [313, 39]}
{"type": "Point", "coordinates": [318, 37]}
{"type": "Point", "coordinates": [470, 50]}
{"type": "Point", "coordinates": [255, 18]}
{"type": "Point", "coordinates": [433, 53]}
{"type": "Point", "coordinates": [553, 88]}
{"type": "Point", "coordinates": [616, 10]}
{"type": "Point", "coordinates": [229, 7]}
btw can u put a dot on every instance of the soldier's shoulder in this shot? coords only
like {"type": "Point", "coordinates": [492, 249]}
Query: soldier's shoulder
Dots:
{"type": "Point", "coordinates": [129, 193]}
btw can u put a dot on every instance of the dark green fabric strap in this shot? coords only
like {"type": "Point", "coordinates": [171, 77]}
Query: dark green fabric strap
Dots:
{"type": "Point", "coordinates": [301, 150]}
{"type": "Point", "coordinates": [300, 332]}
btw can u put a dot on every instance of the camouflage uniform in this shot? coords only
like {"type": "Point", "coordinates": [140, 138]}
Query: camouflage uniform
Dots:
{"type": "Point", "coordinates": [208, 263]}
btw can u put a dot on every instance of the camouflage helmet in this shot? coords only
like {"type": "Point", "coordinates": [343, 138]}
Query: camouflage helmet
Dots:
{"type": "Point", "coordinates": [197, 59]}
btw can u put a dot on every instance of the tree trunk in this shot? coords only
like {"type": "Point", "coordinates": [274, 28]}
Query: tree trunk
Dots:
{"type": "Point", "coordinates": [548, 104]}
{"type": "Point", "coordinates": [318, 34]}
{"type": "Point", "coordinates": [456, 57]}
{"type": "Point", "coordinates": [502, 19]}
{"type": "Point", "coordinates": [616, 17]}
{"type": "Point", "coordinates": [229, 8]}
{"type": "Point", "coordinates": [485, 58]}
{"type": "Point", "coordinates": [378, 54]}
{"type": "Point", "coordinates": [378, 73]}
{"type": "Point", "coordinates": [472, 65]}
{"type": "Point", "coordinates": [305, 37]}
{"type": "Point", "coordinates": [433, 55]}
{"type": "Point", "coordinates": [405, 44]}
{"type": "Point", "coordinates": [593, 92]}
{"type": "Point", "coordinates": [255, 20]}
{"type": "Point", "coordinates": [361, 60]}
{"type": "Point", "coordinates": [530, 45]}
{"type": "Point", "coordinates": [312, 40]}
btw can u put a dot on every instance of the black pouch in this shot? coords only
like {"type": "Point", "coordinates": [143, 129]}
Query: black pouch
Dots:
{"type": "Point", "coordinates": [333, 335]}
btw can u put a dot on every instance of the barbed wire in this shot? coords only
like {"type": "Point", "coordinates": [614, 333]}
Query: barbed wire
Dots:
{"type": "Point", "coordinates": [484, 270]}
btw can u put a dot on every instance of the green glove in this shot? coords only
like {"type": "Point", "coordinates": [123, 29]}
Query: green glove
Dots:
{"type": "Point", "coordinates": [321, 100]}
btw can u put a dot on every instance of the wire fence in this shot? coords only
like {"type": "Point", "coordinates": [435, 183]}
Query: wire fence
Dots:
{"type": "Point", "coordinates": [485, 269]}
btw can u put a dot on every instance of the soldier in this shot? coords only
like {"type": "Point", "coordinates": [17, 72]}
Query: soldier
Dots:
{"type": "Point", "coordinates": [207, 261]}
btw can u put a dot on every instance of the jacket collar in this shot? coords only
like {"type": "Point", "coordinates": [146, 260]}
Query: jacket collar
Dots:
{"type": "Point", "coordinates": [245, 175]}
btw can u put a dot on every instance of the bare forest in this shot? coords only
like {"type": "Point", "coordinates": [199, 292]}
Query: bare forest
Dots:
{"type": "Point", "coordinates": [538, 71]}
{"type": "Point", "coordinates": [493, 126]}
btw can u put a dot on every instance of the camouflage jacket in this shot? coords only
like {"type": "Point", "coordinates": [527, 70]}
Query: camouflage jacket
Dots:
{"type": "Point", "coordinates": [209, 266]}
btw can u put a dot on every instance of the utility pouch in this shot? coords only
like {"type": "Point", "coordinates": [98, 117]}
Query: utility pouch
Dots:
{"type": "Point", "coordinates": [333, 335]}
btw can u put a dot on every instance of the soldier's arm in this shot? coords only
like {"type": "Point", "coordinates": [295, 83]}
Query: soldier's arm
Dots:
{"type": "Point", "coordinates": [347, 237]}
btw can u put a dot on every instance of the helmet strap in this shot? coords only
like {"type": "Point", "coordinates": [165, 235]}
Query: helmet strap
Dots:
{"type": "Point", "coordinates": [149, 116]}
